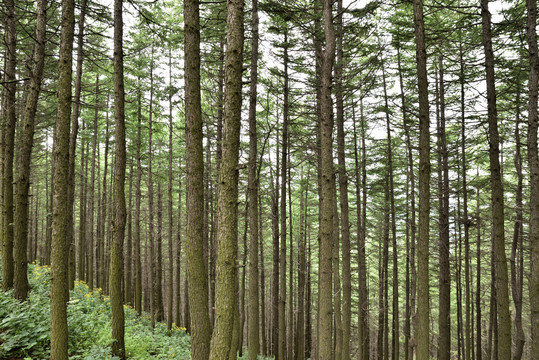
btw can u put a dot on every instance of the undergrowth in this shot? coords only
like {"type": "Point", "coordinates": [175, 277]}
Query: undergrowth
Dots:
{"type": "Point", "coordinates": [25, 327]}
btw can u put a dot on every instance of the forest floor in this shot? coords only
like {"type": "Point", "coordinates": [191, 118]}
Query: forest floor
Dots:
{"type": "Point", "coordinates": [25, 327]}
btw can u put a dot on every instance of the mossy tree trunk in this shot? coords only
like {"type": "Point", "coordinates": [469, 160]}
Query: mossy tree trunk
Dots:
{"type": "Point", "coordinates": [60, 247]}
{"type": "Point", "coordinates": [196, 273]}
{"type": "Point", "coordinates": [227, 208]}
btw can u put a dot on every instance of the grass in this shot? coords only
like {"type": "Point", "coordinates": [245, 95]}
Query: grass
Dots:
{"type": "Point", "coordinates": [25, 327]}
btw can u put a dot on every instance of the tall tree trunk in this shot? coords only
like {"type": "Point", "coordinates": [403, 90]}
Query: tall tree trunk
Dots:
{"type": "Point", "coordinates": [151, 236]}
{"type": "Point", "coordinates": [337, 318]}
{"type": "Point", "coordinates": [465, 204]}
{"type": "Point", "coordinates": [282, 341]}
{"type": "Point", "coordinates": [178, 318]}
{"type": "Point", "coordinates": [170, 281]}
{"type": "Point", "coordinates": [517, 269]}
{"type": "Point", "coordinates": [9, 120]}
{"type": "Point", "coordinates": [533, 160]}
{"type": "Point", "coordinates": [81, 249]}
{"type": "Point", "coordinates": [444, 321]}
{"type": "Point", "coordinates": [159, 248]}
{"type": "Point", "coordinates": [196, 273]}
{"type": "Point", "coordinates": [423, 306]}
{"type": "Point", "coordinates": [60, 247]}
{"type": "Point", "coordinates": [241, 282]}
{"type": "Point", "coordinates": [138, 195]}
{"type": "Point", "coordinates": [362, 268]}
{"type": "Point", "coordinates": [264, 338]}
{"type": "Point", "coordinates": [275, 268]}
{"type": "Point", "coordinates": [253, 340]}
{"type": "Point", "coordinates": [118, 223]}
{"type": "Point", "coordinates": [343, 191]}
{"type": "Point", "coordinates": [91, 249]}
{"type": "Point", "coordinates": [326, 199]}
{"type": "Point", "coordinates": [128, 279]}
{"type": "Point", "coordinates": [302, 269]}
{"type": "Point", "coordinates": [479, 350]}
{"type": "Point", "coordinates": [498, 236]}
{"type": "Point", "coordinates": [227, 212]}
{"type": "Point", "coordinates": [73, 142]}
{"type": "Point", "coordinates": [25, 153]}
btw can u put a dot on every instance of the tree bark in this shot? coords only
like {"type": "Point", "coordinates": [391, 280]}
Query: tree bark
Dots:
{"type": "Point", "coordinates": [227, 208]}
{"type": "Point", "coordinates": [533, 160]}
{"type": "Point", "coordinates": [326, 194]}
{"type": "Point", "coordinates": [138, 195]}
{"type": "Point", "coordinates": [196, 273]}
{"type": "Point", "coordinates": [423, 307]}
{"type": "Point", "coordinates": [118, 223]}
{"type": "Point", "coordinates": [253, 318]}
{"type": "Point", "coordinates": [444, 321]}
{"type": "Point", "coordinates": [498, 236]}
{"type": "Point", "coordinates": [25, 153]}
{"type": "Point", "coordinates": [60, 247]}
{"type": "Point", "coordinates": [9, 120]}
{"type": "Point", "coordinates": [343, 191]}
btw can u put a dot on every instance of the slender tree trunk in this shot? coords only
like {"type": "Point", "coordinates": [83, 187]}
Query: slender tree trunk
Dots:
{"type": "Point", "coordinates": [302, 269]}
{"type": "Point", "coordinates": [128, 280]}
{"type": "Point", "coordinates": [241, 282]}
{"type": "Point", "coordinates": [337, 315]}
{"type": "Point", "coordinates": [138, 195]}
{"type": "Point", "coordinates": [81, 259]}
{"type": "Point", "coordinates": [151, 236]}
{"type": "Point", "coordinates": [498, 237]}
{"type": "Point", "coordinates": [118, 223]}
{"type": "Point", "coordinates": [227, 212]}
{"type": "Point", "coordinates": [91, 250]}
{"type": "Point", "coordinates": [444, 321]}
{"type": "Point", "coordinates": [479, 350]}
{"type": "Point", "coordinates": [60, 247]}
{"type": "Point", "coordinates": [423, 306]}
{"type": "Point", "coordinates": [533, 160]}
{"type": "Point", "coordinates": [178, 318]}
{"type": "Point", "coordinates": [282, 341]}
{"type": "Point", "coordinates": [25, 153]}
{"type": "Point", "coordinates": [275, 271]}
{"type": "Point", "coordinates": [170, 282]}
{"type": "Point", "coordinates": [196, 274]}
{"type": "Point", "coordinates": [326, 198]}
{"type": "Point", "coordinates": [465, 203]}
{"type": "Point", "coordinates": [9, 120]}
{"type": "Point", "coordinates": [73, 144]}
{"type": "Point", "coordinates": [159, 248]}
{"type": "Point", "coordinates": [343, 191]}
{"type": "Point", "coordinates": [253, 340]}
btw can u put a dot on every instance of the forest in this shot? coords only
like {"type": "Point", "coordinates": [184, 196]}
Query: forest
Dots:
{"type": "Point", "coordinates": [327, 179]}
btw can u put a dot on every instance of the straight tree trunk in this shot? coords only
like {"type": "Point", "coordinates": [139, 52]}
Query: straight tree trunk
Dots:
{"type": "Point", "coordinates": [25, 153]}
{"type": "Point", "coordinates": [444, 320]}
{"type": "Point", "coordinates": [326, 195]}
{"type": "Point", "coordinates": [533, 160]}
{"type": "Point", "coordinates": [151, 237]}
{"type": "Point", "coordinates": [138, 195]}
{"type": "Point", "coordinates": [91, 250]}
{"type": "Point", "coordinates": [343, 191]}
{"type": "Point", "coordinates": [59, 292]}
{"type": "Point", "coordinates": [498, 237]}
{"type": "Point", "coordinates": [253, 340]}
{"type": "Point", "coordinates": [479, 341]}
{"type": "Point", "coordinates": [128, 280]}
{"type": "Point", "coordinates": [9, 120]}
{"type": "Point", "coordinates": [517, 269]}
{"type": "Point", "coordinates": [263, 303]}
{"type": "Point", "coordinates": [118, 223]}
{"type": "Point", "coordinates": [302, 269]}
{"type": "Point", "coordinates": [282, 341]}
{"type": "Point", "coordinates": [465, 204]}
{"type": "Point", "coordinates": [170, 282]}
{"type": "Point", "coordinates": [178, 318]}
{"type": "Point", "coordinates": [423, 306]}
{"type": "Point", "coordinates": [227, 209]}
{"type": "Point", "coordinates": [159, 248]}
{"type": "Point", "coordinates": [275, 268]}
{"type": "Point", "coordinates": [73, 144]}
{"type": "Point", "coordinates": [81, 249]}
{"type": "Point", "coordinates": [196, 273]}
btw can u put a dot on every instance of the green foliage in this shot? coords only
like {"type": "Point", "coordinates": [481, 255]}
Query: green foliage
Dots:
{"type": "Point", "coordinates": [25, 328]}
